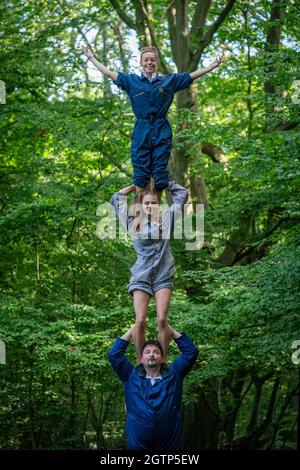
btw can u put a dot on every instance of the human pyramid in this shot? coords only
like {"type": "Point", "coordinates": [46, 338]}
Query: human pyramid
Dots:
{"type": "Point", "coordinates": [153, 389]}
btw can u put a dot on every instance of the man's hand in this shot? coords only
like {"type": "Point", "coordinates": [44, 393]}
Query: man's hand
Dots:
{"type": "Point", "coordinates": [88, 53]}
{"type": "Point", "coordinates": [173, 333]}
{"type": "Point", "coordinates": [127, 337]}
{"type": "Point", "coordinates": [128, 189]}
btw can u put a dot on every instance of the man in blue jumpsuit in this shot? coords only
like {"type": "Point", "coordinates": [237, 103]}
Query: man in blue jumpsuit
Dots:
{"type": "Point", "coordinates": [151, 96]}
{"type": "Point", "coordinates": [153, 392]}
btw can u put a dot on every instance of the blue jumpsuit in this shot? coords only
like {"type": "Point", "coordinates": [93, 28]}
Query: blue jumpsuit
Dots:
{"type": "Point", "coordinates": [155, 266]}
{"type": "Point", "coordinates": [153, 420]}
{"type": "Point", "coordinates": [152, 135]}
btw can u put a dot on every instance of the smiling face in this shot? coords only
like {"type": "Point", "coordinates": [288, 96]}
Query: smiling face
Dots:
{"type": "Point", "coordinates": [150, 205]}
{"type": "Point", "coordinates": [149, 62]}
{"type": "Point", "coordinates": [151, 356]}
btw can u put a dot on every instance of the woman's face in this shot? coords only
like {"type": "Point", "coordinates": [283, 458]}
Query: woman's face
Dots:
{"type": "Point", "coordinates": [149, 62]}
{"type": "Point", "coordinates": [150, 204]}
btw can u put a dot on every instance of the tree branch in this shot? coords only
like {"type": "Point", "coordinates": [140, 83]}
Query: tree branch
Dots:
{"type": "Point", "coordinates": [198, 21]}
{"type": "Point", "coordinates": [80, 31]}
{"type": "Point", "coordinates": [216, 25]}
{"type": "Point", "coordinates": [172, 32]}
{"type": "Point", "coordinates": [245, 251]}
{"type": "Point", "coordinates": [207, 37]}
{"type": "Point", "coordinates": [123, 15]}
{"type": "Point", "coordinates": [165, 69]}
{"type": "Point", "coordinates": [287, 126]}
{"type": "Point", "coordinates": [215, 152]}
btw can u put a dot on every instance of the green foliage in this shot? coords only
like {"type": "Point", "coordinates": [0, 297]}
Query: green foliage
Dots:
{"type": "Point", "coordinates": [65, 148]}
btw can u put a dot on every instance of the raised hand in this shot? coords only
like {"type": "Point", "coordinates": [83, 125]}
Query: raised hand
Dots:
{"type": "Point", "coordinates": [218, 61]}
{"type": "Point", "coordinates": [173, 333]}
{"type": "Point", "coordinates": [88, 53]}
{"type": "Point", "coordinates": [128, 189]}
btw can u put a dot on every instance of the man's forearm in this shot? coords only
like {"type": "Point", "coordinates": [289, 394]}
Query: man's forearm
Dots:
{"type": "Point", "coordinates": [175, 334]}
{"type": "Point", "coordinates": [104, 70]}
{"type": "Point", "coordinates": [127, 337]}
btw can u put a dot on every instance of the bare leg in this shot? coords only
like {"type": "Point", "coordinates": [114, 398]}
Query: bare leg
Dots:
{"type": "Point", "coordinates": [141, 302]}
{"type": "Point", "coordinates": [163, 298]}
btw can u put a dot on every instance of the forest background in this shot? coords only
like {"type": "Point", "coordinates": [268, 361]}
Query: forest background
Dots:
{"type": "Point", "coordinates": [65, 149]}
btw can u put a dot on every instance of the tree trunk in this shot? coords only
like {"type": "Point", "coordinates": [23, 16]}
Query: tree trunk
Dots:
{"type": "Point", "coordinates": [106, 81]}
{"type": "Point", "coordinates": [234, 386]}
{"type": "Point", "coordinates": [203, 418]}
{"type": "Point", "coordinates": [72, 415]}
{"type": "Point", "coordinates": [236, 242]}
{"type": "Point", "coordinates": [272, 89]}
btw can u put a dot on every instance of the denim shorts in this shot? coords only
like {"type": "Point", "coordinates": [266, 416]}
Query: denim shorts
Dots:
{"type": "Point", "coordinates": [150, 288]}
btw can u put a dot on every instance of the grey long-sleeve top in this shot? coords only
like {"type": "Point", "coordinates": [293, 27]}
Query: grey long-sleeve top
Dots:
{"type": "Point", "coordinates": [152, 244]}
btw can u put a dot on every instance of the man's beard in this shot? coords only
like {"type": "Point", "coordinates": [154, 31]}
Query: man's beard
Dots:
{"type": "Point", "coordinates": [152, 363]}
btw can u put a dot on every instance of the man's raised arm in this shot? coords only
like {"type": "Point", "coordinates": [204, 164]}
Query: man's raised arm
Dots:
{"type": "Point", "coordinates": [183, 364]}
{"type": "Point", "coordinates": [117, 358]}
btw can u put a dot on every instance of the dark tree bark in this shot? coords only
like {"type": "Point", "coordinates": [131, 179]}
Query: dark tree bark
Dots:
{"type": "Point", "coordinates": [285, 405]}
{"type": "Point", "coordinates": [255, 438]}
{"type": "Point", "coordinates": [123, 57]}
{"type": "Point", "coordinates": [232, 394]}
{"type": "Point", "coordinates": [203, 418]}
{"type": "Point", "coordinates": [272, 89]}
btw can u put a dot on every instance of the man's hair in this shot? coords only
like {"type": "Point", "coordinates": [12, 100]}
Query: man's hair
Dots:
{"type": "Point", "coordinates": [149, 49]}
{"type": "Point", "coordinates": [153, 342]}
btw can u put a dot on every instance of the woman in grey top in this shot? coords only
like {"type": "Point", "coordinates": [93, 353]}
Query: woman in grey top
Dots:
{"type": "Point", "coordinates": [154, 268]}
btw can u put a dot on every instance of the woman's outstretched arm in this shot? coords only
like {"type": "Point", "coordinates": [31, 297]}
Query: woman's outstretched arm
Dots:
{"type": "Point", "coordinates": [199, 73]}
{"type": "Point", "coordinates": [104, 70]}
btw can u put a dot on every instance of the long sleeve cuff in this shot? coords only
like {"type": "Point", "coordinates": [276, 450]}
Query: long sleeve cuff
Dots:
{"type": "Point", "coordinates": [119, 347]}
{"type": "Point", "coordinates": [186, 346]}
{"type": "Point", "coordinates": [179, 193]}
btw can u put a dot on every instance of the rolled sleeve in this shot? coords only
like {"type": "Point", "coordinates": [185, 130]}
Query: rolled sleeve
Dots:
{"type": "Point", "coordinates": [183, 364]}
{"type": "Point", "coordinates": [181, 80]}
{"type": "Point", "coordinates": [119, 362]}
{"type": "Point", "coordinates": [123, 81]}
{"type": "Point", "coordinates": [179, 193]}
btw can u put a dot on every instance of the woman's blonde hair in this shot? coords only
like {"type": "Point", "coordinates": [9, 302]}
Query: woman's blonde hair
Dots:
{"type": "Point", "coordinates": [149, 49]}
{"type": "Point", "coordinates": [136, 209]}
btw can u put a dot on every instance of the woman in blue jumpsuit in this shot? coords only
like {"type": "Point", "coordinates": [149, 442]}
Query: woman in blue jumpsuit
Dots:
{"type": "Point", "coordinates": [153, 271]}
{"type": "Point", "coordinates": [151, 96]}
{"type": "Point", "coordinates": [151, 140]}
